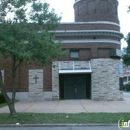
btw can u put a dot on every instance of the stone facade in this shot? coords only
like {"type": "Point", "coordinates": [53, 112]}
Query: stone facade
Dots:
{"type": "Point", "coordinates": [105, 79]}
{"type": "Point", "coordinates": [36, 84]}
{"type": "Point", "coordinates": [2, 71]}
{"type": "Point", "coordinates": [55, 80]}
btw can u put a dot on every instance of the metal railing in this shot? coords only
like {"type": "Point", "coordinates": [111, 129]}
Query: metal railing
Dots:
{"type": "Point", "coordinates": [75, 67]}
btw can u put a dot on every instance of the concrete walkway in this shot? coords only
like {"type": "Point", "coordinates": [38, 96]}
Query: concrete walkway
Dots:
{"type": "Point", "coordinates": [71, 106]}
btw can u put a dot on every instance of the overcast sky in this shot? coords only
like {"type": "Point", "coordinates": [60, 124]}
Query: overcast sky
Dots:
{"type": "Point", "coordinates": [66, 8]}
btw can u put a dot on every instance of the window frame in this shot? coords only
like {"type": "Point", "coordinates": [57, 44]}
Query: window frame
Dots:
{"type": "Point", "coordinates": [74, 57]}
{"type": "Point", "coordinates": [128, 69]}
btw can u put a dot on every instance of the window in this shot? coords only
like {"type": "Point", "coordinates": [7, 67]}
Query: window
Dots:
{"type": "Point", "coordinates": [74, 54]}
{"type": "Point", "coordinates": [94, 37]}
{"type": "Point", "coordinates": [125, 79]}
{"type": "Point", "coordinates": [128, 68]}
{"type": "Point", "coordinates": [128, 78]}
{"type": "Point", "coordinates": [123, 68]}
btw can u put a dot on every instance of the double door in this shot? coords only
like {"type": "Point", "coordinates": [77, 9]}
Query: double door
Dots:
{"type": "Point", "coordinates": [75, 87]}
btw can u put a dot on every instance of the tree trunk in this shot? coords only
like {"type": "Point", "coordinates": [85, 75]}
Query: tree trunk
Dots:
{"type": "Point", "coordinates": [13, 80]}
{"type": "Point", "coordinates": [10, 103]}
{"type": "Point", "coordinates": [11, 107]}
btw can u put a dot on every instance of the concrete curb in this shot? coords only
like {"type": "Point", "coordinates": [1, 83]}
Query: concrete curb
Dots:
{"type": "Point", "coordinates": [54, 125]}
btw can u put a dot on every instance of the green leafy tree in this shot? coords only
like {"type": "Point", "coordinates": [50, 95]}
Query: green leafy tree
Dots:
{"type": "Point", "coordinates": [26, 37]}
{"type": "Point", "coordinates": [126, 56]}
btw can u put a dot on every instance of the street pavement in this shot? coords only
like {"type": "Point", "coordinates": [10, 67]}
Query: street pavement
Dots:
{"type": "Point", "coordinates": [126, 94]}
{"type": "Point", "coordinates": [95, 127]}
{"type": "Point", "coordinates": [72, 106]}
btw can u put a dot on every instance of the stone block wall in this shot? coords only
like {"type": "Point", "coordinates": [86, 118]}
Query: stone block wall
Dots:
{"type": "Point", "coordinates": [2, 71]}
{"type": "Point", "coordinates": [36, 84]}
{"type": "Point", "coordinates": [55, 80]}
{"type": "Point", "coordinates": [105, 79]}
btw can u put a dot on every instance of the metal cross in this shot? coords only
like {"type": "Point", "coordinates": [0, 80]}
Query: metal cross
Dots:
{"type": "Point", "coordinates": [36, 78]}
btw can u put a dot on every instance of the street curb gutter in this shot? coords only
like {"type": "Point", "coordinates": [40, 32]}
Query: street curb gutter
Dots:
{"type": "Point", "coordinates": [55, 125]}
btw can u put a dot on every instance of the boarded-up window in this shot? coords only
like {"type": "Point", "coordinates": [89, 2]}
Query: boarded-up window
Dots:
{"type": "Point", "coordinates": [91, 7]}
{"type": "Point", "coordinates": [104, 6]}
{"type": "Point", "coordinates": [103, 53]}
{"type": "Point", "coordinates": [85, 54]}
{"type": "Point", "coordinates": [80, 12]}
{"type": "Point", "coordinates": [114, 8]}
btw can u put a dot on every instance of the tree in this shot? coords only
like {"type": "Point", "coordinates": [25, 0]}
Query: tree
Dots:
{"type": "Point", "coordinates": [26, 37]}
{"type": "Point", "coordinates": [128, 8]}
{"type": "Point", "coordinates": [126, 56]}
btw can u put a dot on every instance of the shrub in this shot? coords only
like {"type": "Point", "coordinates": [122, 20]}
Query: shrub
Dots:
{"type": "Point", "coordinates": [127, 87]}
{"type": "Point", "coordinates": [2, 99]}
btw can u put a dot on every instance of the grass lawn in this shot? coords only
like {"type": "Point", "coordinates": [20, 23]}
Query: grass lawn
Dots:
{"type": "Point", "coordinates": [3, 105]}
{"type": "Point", "coordinates": [82, 118]}
{"type": "Point", "coordinates": [127, 91]}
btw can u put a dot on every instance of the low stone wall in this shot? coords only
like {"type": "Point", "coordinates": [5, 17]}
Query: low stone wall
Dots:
{"type": "Point", "coordinates": [24, 96]}
{"type": "Point", "coordinates": [105, 79]}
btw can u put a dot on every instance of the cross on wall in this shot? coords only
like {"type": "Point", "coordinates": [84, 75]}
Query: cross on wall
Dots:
{"type": "Point", "coordinates": [36, 78]}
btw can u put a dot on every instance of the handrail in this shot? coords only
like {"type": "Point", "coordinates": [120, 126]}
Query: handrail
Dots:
{"type": "Point", "coordinates": [71, 68]}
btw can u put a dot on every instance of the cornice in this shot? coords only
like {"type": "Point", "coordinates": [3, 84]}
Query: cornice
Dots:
{"type": "Point", "coordinates": [89, 41]}
{"type": "Point", "coordinates": [88, 33]}
{"type": "Point", "coordinates": [92, 22]}
{"type": "Point", "coordinates": [76, 1]}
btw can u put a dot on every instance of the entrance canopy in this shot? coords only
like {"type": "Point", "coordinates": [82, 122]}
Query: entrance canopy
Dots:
{"type": "Point", "coordinates": [74, 67]}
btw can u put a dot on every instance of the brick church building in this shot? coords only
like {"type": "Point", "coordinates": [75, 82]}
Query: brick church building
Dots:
{"type": "Point", "coordinates": [90, 71]}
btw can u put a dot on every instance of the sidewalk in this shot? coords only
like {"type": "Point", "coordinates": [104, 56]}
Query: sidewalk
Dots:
{"type": "Point", "coordinates": [71, 106]}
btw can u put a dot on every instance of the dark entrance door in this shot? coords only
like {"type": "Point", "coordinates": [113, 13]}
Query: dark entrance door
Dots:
{"type": "Point", "coordinates": [75, 87]}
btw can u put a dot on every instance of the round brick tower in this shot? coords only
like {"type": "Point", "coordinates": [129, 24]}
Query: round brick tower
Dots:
{"type": "Point", "coordinates": [102, 24]}
{"type": "Point", "coordinates": [96, 10]}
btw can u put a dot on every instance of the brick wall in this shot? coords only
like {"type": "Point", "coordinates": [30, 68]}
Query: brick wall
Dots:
{"type": "Point", "coordinates": [86, 37]}
{"type": "Point", "coordinates": [89, 51]}
{"type": "Point", "coordinates": [87, 27]}
{"type": "Point", "coordinates": [47, 76]}
{"type": "Point", "coordinates": [22, 75]}
{"type": "Point", "coordinates": [96, 10]}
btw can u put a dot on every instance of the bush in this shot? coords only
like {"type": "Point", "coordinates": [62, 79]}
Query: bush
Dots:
{"type": "Point", "coordinates": [2, 99]}
{"type": "Point", "coordinates": [127, 87]}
